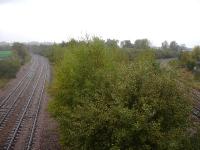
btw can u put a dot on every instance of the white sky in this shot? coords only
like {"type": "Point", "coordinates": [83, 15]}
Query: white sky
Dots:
{"type": "Point", "coordinates": [58, 20]}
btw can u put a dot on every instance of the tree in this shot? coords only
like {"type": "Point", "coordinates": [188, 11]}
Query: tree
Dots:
{"type": "Point", "coordinates": [112, 43]}
{"type": "Point", "coordinates": [174, 46]}
{"type": "Point", "coordinates": [142, 44]}
{"type": "Point", "coordinates": [126, 44]}
{"type": "Point", "coordinates": [63, 44]}
{"type": "Point", "coordinates": [21, 51]}
{"type": "Point", "coordinates": [165, 45]}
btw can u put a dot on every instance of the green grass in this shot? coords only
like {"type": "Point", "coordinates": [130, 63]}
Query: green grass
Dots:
{"type": "Point", "coordinates": [5, 54]}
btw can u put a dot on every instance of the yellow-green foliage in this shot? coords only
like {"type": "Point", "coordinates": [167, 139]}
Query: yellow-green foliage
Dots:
{"type": "Point", "coordinates": [102, 102]}
{"type": "Point", "coordinates": [189, 58]}
{"type": "Point", "coordinates": [9, 67]}
{"type": "Point", "coordinates": [21, 52]}
{"type": "Point", "coordinates": [196, 53]}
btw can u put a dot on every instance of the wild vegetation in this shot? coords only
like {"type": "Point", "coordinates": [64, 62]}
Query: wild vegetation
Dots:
{"type": "Point", "coordinates": [188, 66]}
{"type": "Point", "coordinates": [104, 97]}
{"type": "Point", "coordinates": [191, 60]}
{"type": "Point", "coordinates": [11, 62]}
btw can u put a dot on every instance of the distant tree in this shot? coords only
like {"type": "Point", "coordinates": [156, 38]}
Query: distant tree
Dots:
{"type": "Point", "coordinates": [165, 45]}
{"type": "Point", "coordinates": [21, 51]}
{"type": "Point", "coordinates": [174, 46]}
{"type": "Point", "coordinates": [72, 42]}
{"type": "Point", "coordinates": [142, 44]}
{"type": "Point", "coordinates": [112, 43]}
{"type": "Point", "coordinates": [63, 44]}
{"type": "Point", "coordinates": [126, 44]}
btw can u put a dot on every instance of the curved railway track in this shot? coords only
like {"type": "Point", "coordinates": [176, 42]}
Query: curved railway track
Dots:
{"type": "Point", "coordinates": [19, 110]}
{"type": "Point", "coordinates": [18, 85]}
{"type": "Point", "coordinates": [12, 102]}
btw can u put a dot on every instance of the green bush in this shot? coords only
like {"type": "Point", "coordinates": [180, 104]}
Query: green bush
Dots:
{"type": "Point", "coordinates": [11, 65]}
{"type": "Point", "coordinates": [21, 52]}
{"type": "Point", "coordinates": [196, 53]}
{"type": "Point", "coordinates": [9, 68]}
{"type": "Point", "coordinates": [102, 101]}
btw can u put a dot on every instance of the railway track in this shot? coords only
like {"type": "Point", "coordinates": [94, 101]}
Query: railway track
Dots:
{"type": "Point", "coordinates": [23, 115]}
{"type": "Point", "coordinates": [19, 84]}
{"type": "Point", "coordinates": [9, 102]}
{"type": "Point", "coordinates": [196, 109]}
{"type": "Point", "coordinates": [18, 124]}
{"type": "Point", "coordinates": [30, 141]}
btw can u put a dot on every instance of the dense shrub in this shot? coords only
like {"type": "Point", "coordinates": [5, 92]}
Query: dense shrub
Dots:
{"type": "Point", "coordinates": [196, 53]}
{"type": "Point", "coordinates": [191, 60]}
{"type": "Point", "coordinates": [21, 52]}
{"type": "Point", "coordinates": [102, 101]}
{"type": "Point", "coordinates": [9, 68]}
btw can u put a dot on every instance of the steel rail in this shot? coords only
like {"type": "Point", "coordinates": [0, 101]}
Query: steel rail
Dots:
{"type": "Point", "coordinates": [16, 88]}
{"type": "Point", "coordinates": [37, 113]}
{"type": "Point", "coordinates": [24, 112]}
{"type": "Point", "coordinates": [16, 99]}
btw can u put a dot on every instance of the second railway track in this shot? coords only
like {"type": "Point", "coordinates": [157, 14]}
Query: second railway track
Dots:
{"type": "Point", "coordinates": [5, 99]}
{"type": "Point", "coordinates": [17, 125]}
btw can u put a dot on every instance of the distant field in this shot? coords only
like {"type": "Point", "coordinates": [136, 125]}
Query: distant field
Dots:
{"type": "Point", "coordinates": [5, 54]}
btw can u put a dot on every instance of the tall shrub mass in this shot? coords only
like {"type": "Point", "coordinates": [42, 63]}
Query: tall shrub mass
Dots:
{"type": "Point", "coordinates": [104, 101]}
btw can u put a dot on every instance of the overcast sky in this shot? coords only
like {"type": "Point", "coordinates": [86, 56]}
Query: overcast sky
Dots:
{"type": "Point", "coordinates": [58, 20]}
